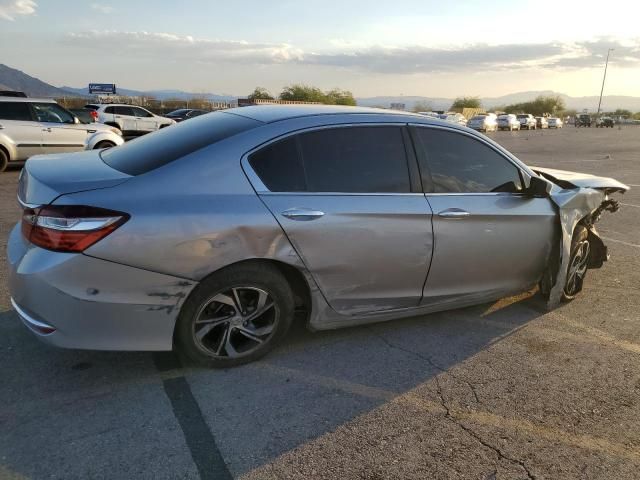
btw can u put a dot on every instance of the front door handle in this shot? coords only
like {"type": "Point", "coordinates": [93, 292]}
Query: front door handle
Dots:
{"type": "Point", "coordinates": [1, 127]}
{"type": "Point", "coordinates": [302, 214]}
{"type": "Point", "coordinates": [453, 213]}
{"type": "Point", "coordinates": [46, 130]}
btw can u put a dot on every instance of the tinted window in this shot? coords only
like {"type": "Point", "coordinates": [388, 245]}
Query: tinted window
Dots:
{"type": "Point", "coordinates": [52, 113]}
{"type": "Point", "coordinates": [279, 166]}
{"type": "Point", "coordinates": [110, 110]}
{"type": "Point", "coordinates": [358, 159]}
{"type": "Point", "coordinates": [141, 112]}
{"type": "Point", "coordinates": [15, 111]}
{"type": "Point", "coordinates": [459, 163]}
{"type": "Point", "coordinates": [128, 111]}
{"type": "Point", "coordinates": [92, 107]}
{"type": "Point", "coordinates": [168, 144]}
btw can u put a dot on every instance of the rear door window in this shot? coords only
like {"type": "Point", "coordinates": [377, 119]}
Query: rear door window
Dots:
{"type": "Point", "coordinates": [15, 111]}
{"type": "Point", "coordinates": [127, 111]}
{"type": "Point", "coordinates": [369, 159]}
{"type": "Point", "coordinates": [457, 163]}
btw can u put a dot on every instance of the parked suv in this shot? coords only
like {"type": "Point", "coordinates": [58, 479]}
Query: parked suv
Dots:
{"type": "Point", "coordinates": [605, 122]}
{"type": "Point", "coordinates": [486, 122]}
{"type": "Point", "coordinates": [583, 120]}
{"type": "Point", "coordinates": [508, 122]}
{"type": "Point", "coordinates": [130, 119]}
{"type": "Point", "coordinates": [527, 121]}
{"type": "Point", "coordinates": [32, 126]}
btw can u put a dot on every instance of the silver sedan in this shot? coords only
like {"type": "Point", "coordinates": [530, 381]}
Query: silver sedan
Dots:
{"type": "Point", "coordinates": [209, 235]}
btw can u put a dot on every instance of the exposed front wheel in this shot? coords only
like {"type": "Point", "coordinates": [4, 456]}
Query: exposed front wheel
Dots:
{"type": "Point", "coordinates": [235, 316]}
{"type": "Point", "coordinates": [578, 262]}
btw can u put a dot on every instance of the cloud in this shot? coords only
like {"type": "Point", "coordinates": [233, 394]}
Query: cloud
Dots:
{"type": "Point", "coordinates": [102, 8]}
{"type": "Point", "coordinates": [10, 9]}
{"type": "Point", "coordinates": [375, 59]}
{"type": "Point", "coordinates": [185, 47]}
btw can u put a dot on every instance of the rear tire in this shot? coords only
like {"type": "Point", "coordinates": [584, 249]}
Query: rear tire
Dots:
{"type": "Point", "coordinates": [578, 261]}
{"type": "Point", "coordinates": [235, 316]}
{"type": "Point", "coordinates": [4, 160]}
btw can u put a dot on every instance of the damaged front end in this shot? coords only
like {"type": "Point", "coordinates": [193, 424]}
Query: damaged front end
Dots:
{"type": "Point", "coordinates": [581, 199]}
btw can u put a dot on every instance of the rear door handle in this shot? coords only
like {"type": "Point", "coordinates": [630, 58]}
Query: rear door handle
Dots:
{"type": "Point", "coordinates": [454, 213]}
{"type": "Point", "coordinates": [1, 127]}
{"type": "Point", "coordinates": [302, 214]}
{"type": "Point", "coordinates": [46, 130]}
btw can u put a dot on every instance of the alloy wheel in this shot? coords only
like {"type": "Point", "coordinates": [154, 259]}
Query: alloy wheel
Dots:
{"type": "Point", "coordinates": [235, 322]}
{"type": "Point", "coordinates": [577, 268]}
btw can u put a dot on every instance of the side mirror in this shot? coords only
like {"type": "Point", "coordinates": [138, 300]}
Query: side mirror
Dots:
{"type": "Point", "coordinates": [76, 120]}
{"type": "Point", "coordinates": [538, 187]}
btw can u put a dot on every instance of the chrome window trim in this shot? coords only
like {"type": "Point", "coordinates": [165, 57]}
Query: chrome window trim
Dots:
{"type": "Point", "coordinates": [261, 188]}
{"type": "Point", "coordinates": [499, 150]}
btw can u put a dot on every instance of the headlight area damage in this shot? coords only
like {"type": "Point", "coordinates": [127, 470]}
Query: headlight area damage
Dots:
{"type": "Point", "coordinates": [581, 199]}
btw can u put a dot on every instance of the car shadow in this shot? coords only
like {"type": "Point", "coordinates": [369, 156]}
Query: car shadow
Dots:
{"type": "Point", "coordinates": [311, 385]}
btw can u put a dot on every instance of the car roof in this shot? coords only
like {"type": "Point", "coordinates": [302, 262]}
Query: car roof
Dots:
{"type": "Point", "coordinates": [27, 100]}
{"type": "Point", "coordinates": [275, 113]}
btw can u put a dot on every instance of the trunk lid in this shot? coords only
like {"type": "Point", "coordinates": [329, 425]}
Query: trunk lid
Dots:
{"type": "Point", "coordinates": [46, 177]}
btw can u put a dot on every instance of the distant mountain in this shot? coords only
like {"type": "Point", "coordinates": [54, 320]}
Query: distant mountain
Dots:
{"type": "Point", "coordinates": [158, 94]}
{"type": "Point", "coordinates": [609, 102]}
{"type": "Point", "coordinates": [12, 79]}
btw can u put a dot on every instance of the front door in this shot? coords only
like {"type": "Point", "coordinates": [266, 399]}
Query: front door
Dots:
{"type": "Point", "coordinates": [125, 116]}
{"type": "Point", "coordinates": [145, 121]}
{"type": "Point", "coordinates": [344, 198]}
{"type": "Point", "coordinates": [490, 238]}
{"type": "Point", "coordinates": [60, 133]}
{"type": "Point", "coordinates": [18, 126]}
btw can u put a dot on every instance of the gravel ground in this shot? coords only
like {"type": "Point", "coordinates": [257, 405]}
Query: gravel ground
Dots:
{"type": "Point", "coordinates": [498, 391]}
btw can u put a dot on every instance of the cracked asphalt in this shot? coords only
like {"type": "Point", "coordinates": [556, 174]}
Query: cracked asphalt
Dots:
{"type": "Point", "coordinates": [498, 391]}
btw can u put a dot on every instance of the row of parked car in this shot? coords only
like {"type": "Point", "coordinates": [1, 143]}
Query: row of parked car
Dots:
{"type": "Point", "coordinates": [33, 126]}
{"type": "Point", "coordinates": [491, 122]}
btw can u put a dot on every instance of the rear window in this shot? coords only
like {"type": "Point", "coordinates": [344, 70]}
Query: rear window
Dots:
{"type": "Point", "coordinates": [164, 146]}
{"type": "Point", "coordinates": [92, 107]}
{"type": "Point", "coordinates": [15, 111]}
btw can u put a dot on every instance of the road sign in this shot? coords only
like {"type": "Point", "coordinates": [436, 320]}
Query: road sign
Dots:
{"type": "Point", "coordinates": [102, 88]}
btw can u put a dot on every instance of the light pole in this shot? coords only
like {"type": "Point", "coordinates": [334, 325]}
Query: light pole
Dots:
{"type": "Point", "coordinates": [603, 79]}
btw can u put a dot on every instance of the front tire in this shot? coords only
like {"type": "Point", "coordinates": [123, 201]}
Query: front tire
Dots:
{"type": "Point", "coordinates": [4, 160]}
{"type": "Point", "coordinates": [578, 262]}
{"type": "Point", "coordinates": [235, 316]}
{"type": "Point", "coordinates": [104, 144]}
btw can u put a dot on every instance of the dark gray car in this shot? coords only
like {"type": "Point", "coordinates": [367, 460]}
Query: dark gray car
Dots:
{"type": "Point", "coordinates": [211, 234]}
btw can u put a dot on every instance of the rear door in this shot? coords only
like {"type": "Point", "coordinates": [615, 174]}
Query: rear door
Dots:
{"type": "Point", "coordinates": [490, 238]}
{"type": "Point", "coordinates": [350, 207]}
{"type": "Point", "coordinates": [60, 133]}
{"type": "Point", "coordinates": [19, 128]}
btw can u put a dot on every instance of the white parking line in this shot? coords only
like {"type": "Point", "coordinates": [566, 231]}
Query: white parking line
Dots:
{"type": "Point", "coordinates": [621, 242]}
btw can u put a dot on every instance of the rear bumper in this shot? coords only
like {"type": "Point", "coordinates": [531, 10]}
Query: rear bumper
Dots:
{"type": "Point", "coordinates": [77, 301]}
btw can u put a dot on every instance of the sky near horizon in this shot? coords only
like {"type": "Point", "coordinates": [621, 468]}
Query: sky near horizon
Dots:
{"type": "Point", "coordinates": [406, 47]}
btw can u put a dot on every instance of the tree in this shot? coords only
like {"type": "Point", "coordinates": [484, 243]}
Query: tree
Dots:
{"type": "Point", "coordinates": [303, 93]}
{"type": "Point", "coordinates": [260, 94]}
{"type": "Point", "coordinates": [339, 97]}
{"type": "Point", "coordinates": [465, 102]}
{"type": "Point", "coordinates": [306, 93]}
{"type": "Point", "coordinates": [540, 106]}
{"type": "Point", "coordinates": [422, 106]}
{"type": "Point", "coordinates": [622, 112]}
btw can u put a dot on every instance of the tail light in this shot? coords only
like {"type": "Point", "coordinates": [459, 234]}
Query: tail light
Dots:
{"type": "Point", "coordinates": [94, 115]}
{"type": "Point", "coordinates": [69, 228]}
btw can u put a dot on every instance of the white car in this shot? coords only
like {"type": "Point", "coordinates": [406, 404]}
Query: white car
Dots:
{"type": "Point", "coordinates": [509, 122]}
{"type": "Point", "coordinates": [453, 117]}
{"type": "Point", "coordinates": [484, 123]}
{"type": "Point", "coordinates": [130, 119]}
{"type": "Point", "coordinates": [34, 126]}
{"type": "Point", "coordinates": [527, 121]}
{"type": "Point", "coordinates": [554, 122]}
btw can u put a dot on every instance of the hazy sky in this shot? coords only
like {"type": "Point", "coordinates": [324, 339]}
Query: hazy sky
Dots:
{"type": "Point", "coordinates": [410, 47]}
